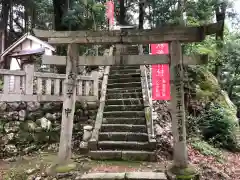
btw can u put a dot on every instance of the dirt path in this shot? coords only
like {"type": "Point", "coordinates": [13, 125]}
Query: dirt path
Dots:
{"type": "Point", "coordinates": [4, 166]}
{"type": "Point", "coordinates": [38, 163]}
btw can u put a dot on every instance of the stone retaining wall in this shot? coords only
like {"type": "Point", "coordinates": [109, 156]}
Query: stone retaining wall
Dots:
{"type": "Point", "coordinates": [30, 126]}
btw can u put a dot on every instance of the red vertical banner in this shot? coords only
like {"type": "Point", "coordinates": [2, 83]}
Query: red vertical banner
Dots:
{"type": "Point", "coordinates": [110, 12]}
{"type": "Point", "coordinates": [160, 74]}
{"type": "Point", "coordinates": [159, 48]}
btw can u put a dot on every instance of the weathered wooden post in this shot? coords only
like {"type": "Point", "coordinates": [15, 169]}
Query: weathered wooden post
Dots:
{"type": "Point", "coordinates": [177, 106]}
{"type": "Point", "coordinates": [29, 69]}
{"type": "Point", "coordinates": [68, 110]}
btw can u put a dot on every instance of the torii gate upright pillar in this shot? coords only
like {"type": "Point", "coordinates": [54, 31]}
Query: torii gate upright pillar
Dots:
{"type": "Point", "coordinates": [180, 167]}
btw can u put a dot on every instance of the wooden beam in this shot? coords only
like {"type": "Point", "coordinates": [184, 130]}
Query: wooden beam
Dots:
{"type": "Point", "coordinates": [108, 60]}
{"type": "Point", "coordinates": [66, 34]}
{"type": "Point", "coordinates": [194, 35]}
{"type": "Point", "coordinates": [209, 29]}
{"type": "Point", "coordinates": [42, 98]}
{"type": "Point", "coordinates": [61, 76]}
{"type": "Point", "coordinates": [126, 60]}
{"type": "Point", "coordinates": [12, 72]}
{"type": "Point", "coordinates": [213, 28]}
{"type": "Point", "coordinates": [159, 35]}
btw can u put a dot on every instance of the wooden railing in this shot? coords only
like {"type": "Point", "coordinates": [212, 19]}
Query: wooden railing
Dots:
{"type": "Point", "coordinates": [28, 85]}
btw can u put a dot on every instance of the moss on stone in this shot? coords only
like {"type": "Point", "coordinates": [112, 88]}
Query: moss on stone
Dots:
{"type": "Point", "coordinates": [148, 114]}
{"type": "Point", "coordinates": [54, 136]}
{"type": "Point", "coordinates": [208, 89]}
{"type": "Point", "coordinates": [28, 126]}
{"type": "Point", "coordinates": [42, 137]}
{"type": "Point", "coordinates": [1, 126]}
{"type": "Point", "coordinates": [65, 168]}
{"type": "Point", "coordinates": [117, 163]}
{"type": "Point", "coordinates": [187, 173]}
{"type": "Point", "coordinates": [23, 137]}
{"type": "Point", "coordinates": [15, 174]}
{"type": "Point", "coordinates": [78, 105]}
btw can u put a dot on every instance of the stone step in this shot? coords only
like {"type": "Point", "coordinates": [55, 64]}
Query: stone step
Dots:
{"type": "Point", "coordinates": [124, 71]}
{"type": "Point", "coordinates": [123, 136]}
{"type": "Point", "coordinates": [130, 121]}
{"type": "Point", "coordinates": [123, 145]}
{"type": "Point", "coordinates": [125, 67]}
{"type": "Point", "coordinates": [123, 155]}
{"type": "Point", "coordinates": [124, 176]}
{"type": "Point", "coordinates": [128, 75]}
{"type": "Point", "coordinates": [123, 128]}
{"type": "Point", "coordinates": [126, 85]}
{"type": "Point", "coordinates": [124, 95]}
{"type": "Point", "coordinates": [124, 114]}
{"type": "Point", "coordinates": [124, 90]}
{"type": "Point", "coordinates": [124, 80]}
{"type": "Point", "coordinates": [124, 108]}
{"type": "Point", "coordinates": [129, 101]}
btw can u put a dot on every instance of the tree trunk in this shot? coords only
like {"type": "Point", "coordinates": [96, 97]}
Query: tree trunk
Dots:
{"type": "Point", "coordinates": [153, 19]}
{"type": "Point", "coordinates": [141, 15]}
{"type": "Point", "coordinates": [218, 71]}
{"type": "Point", "coordinates": [233, 83]}
{"type": "Point", "coordinates": [5, 17]}
{"type": "Point", "coordinates": [4, 25]}
{"type": "Point", "coordinates": [60, 6]}
{"type": "Point", "coordinates": [122, 13]}
{"type": "Point", "coordinates": [230, 91]}
{"type": "Point", "coordinates": [220, 11]}
{"type": "Point", "coordinates": [26, 18]}
{"type": "Point", "coordinates": [33, 18]}
{"type": "Point", "coordinates": [58, 14]}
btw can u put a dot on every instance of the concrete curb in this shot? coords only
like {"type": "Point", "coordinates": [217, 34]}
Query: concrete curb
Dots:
{"type": "Point", "coordinates": [125, 176]}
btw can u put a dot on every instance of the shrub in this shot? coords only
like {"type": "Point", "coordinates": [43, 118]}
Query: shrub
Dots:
{"type": "Point", "coordinates": [205, 148]}
{"type": "Point", "coordinates": [13, 174]}
{"type": "Point", "coordinates": [218, 127]}
{"type": "Point", "coordinates": [1, 85]}
{"type": "Point", "coordinates": [192, 127]}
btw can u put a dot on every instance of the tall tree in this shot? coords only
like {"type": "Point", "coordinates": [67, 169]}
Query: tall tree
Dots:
{"type": "Point", "coordinates": [60, 8]}
{"type": "Point", "coordinates": [141, 15]}
{"type": "Point", "coordinates": [122, 12]}
{"type": "Point", "coordinates": [5, 17]}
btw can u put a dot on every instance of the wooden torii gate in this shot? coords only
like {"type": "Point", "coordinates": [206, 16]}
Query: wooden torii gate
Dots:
{"type": "Point", "coordinates": [173, 35]}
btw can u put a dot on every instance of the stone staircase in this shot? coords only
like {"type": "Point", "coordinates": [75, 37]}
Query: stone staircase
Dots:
{"type": "Point", "coordinates": [123, 134]}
